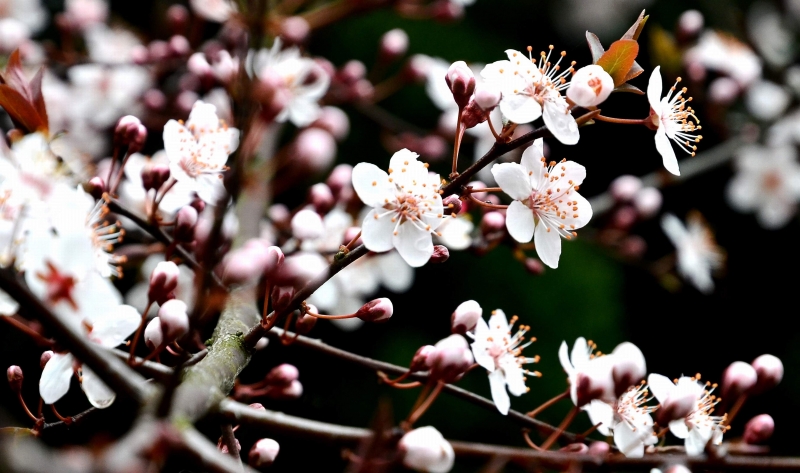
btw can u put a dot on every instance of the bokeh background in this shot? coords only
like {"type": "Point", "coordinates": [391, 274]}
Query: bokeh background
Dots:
{"type": "Point", "coordinates": [594, 293]}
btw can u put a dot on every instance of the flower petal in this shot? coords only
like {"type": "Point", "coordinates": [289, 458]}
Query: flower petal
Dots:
{"type": "Point", "coordinates": [532, 159]}
{"type": "Point", "coordinates": [413, 243]}
{"type": "Point", "coordinates": [563, 357]}
{"type": "Point", "coordinates": [513, 179]}
{"type": "Point", "coordinates": [115, 326]}
{"type": "Point", "coordinates": [99, 395]}
{"type": "Point", "coordinates": [393, 274]}
{"type": "Point", "coordinates": [628, 441]}
{"type": "Point", "coordinates": [377, 232]}
{"type": "Point", "coordinates": [519, 222]}
{"type": "Point", "coordinates": [372, 184]}
{"type": "Point", "coordinates": [696, 441]}
{"type": "Point", "coordinates": [56, 376]}
{"type": "Point", "coordinates": [498, 322]}
{"type": "Point", "coordinates": [654, 87]}
{"type": "Point", "coordinates": [548, 244]}
{"type": "Point", "coordinates": [679, 429]}
{"type": "Point", "coordinates": [664, 148]}
{"type": "Point", "coordinates": [560, 122]}
{"type": "Point", "coordinates": [674, 229]}
{"type": "Point", "coordinates": [601, 413]}
{"type": "Point", "coordinates": [519, 108]}
{"type": "Point", "coordinates": [661, 386]}
{"type": "Point", "coordinates": [497, 383]}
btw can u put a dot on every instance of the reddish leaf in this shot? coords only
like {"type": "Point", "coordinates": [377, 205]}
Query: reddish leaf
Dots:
{"type": "Point", "coordinates": [20, 110]}
{"type": "Point", "coordinates": [629, 88]}
{"type": "Point", "coordinates": [636, 29]}
{"type": "Point", "coordinates": [636, 71]}
{"type": "Point", "coordinates": [37, 99]}
{"type": "Point", "coordinates": [619, 59]}
{"type": "Point", "coordinates": [15, 75]}
{"type": "Point", "coordinates": [594, 46]}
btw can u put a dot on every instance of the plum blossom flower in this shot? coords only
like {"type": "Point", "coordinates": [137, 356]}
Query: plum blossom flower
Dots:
{"type": "Point", "coordinates": [698, 426]}
{"type": "Point", "coordinates": [532, 90]}
{"type": "Point", "coordinates": [698, 253]}
{"type": "Point", "coordinates": [546, 203]}
{"type": "Point", "coordinates": [103, 94]}
{"type": "Point", "coordinates": [136, 198]}
{"type": "Point", "coordinates": [673, 119]}
{"type": "Point", "coordinates": [499, 352]}
{"type": "Point", "coordinates": [407, 207]}
{"type": "Point", "coordinates": [456, 232]}
{"type": "Point", "coordinates": [767, 182]}
{"type": "Point", "coordinates": [590, 86]}
{"type": "Point", "coordinates": [725, 54]}
{"type": "Point", "coordinates": [199, 149]}
{"type": "Point", "coordinates": [302, 80]}
{"type": "Point", "coordinates": [217, 11]}
{"type": "Point", "coordinates": [628, 419]}
{"type": "Point", "coordinates": [582, 363]}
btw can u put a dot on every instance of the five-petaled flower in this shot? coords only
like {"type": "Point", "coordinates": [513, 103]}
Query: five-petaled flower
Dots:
{"type": "Point", "coordinates": [531, 90]}
{"type": "Point", "coordinates": [628, 419]}
{"type": "Point", "coordinates": [495, 349]}
{"type": "Point", "coordinates": [546, 203]}
{"type": "Point", "coordinates": [407, 207]}
{"type": "Point", "coordinates": [673, 119]}
{"type": "Point", "coordinates": [698, 253]}
{"type": "Point", "coordinates": [199, 149]}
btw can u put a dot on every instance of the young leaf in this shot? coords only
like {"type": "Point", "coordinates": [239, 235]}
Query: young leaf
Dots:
{"type": "Point", "coordinates": [619, 59]}
{"type": "Point", "coordinates": [629, 88]}
{"type": "Point", "coordinates": [20, 110]}
{"type": "Point", "coordinates": [635, 71]}
{"type": "Point", "coordinates": [594, 46]}
{"type": "Point", "coordinates": [636, 29]}
{"type": "Point", "coordinates": [37, 99]}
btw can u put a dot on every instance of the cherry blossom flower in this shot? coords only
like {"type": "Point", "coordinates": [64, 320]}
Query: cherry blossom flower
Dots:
{"type": "Point", "coordinates": [673, 119]}
{"type": "Point", "coordinates": [217, 11]}
{"type": "Point", "coordinates": [456, 232]}
{"type": "Point", "coordinates": [111, 45]}
{"type": "Point", "coordinates": [303, 80]}
{"type": "Point", "coordinates": [725, 54]}
{"type": "Point", "coordinates": [546, 203]}
{"type": "Point", "coordinates": [532, 90]}
{"type": "Point", "coordinates": [139, 200]}
{"type": "Point", "coordinates": [698, 253]}
{"type": "Point", "coordinates": [103, 94]}
{"type": "Point", "coordinates": [628, 419]}
{"type": "Point", "coordinates": [30, 14]}
{"type": "Point", "coordinates": [698, 426]}
{"type": "Point", "coordinates": [598, 369]}
{"type": "Point", "coordinates": [199, 149]}
{"type": "Point", "coordinates": [499, 352]}
{"type": "Point", "coordinates": [407, 207]}
{"type": "Point", "coordinates": [767, 182]}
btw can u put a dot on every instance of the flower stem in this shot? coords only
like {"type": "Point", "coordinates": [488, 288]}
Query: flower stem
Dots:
{"type": "Point", "coordinates": [457, 144]}
{"type": "Point", "coordinates": [621, 121]}
{"type": "Point", "coordinates": [131, 357]}
{"type": "Point", "coordinates": [561, 428]}
{"type": "Point", "coordinates": [352, 242]}
{"type": "Point", "coordinates": [486, 204]}
{"type": "Point", "coordinates": [735, 409]}
{"type": "Point", "coordinates": [527, 437]}
{"type": "Point", "coordinates": [532, 414]}
{"type": "Point", "coordinates": [417, 413]}
{"type": "Point", "coordinates": [25, 407]}
{"type": "Point", "coordinates": [23, 327]}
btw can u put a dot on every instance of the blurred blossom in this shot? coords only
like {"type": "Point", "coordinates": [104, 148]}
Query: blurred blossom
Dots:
{"type": "Point", "coordinates": [767, 100]}
{"type": "Point", "coordinates": [101, 95]}
{"type": "Point", "coordinates": [137, 295]}
{"type": "Point", "coordinates": [725, 54]}
{"type": "Point", "coordinates": [111, 45]}
{"type": "Point", "coordinates": [217, 11]}
{"type": "Point", "coordinates": [769, 33]}
{"type": "Point", "coordinates": [698, 253]}
{"type": "Point", "coordinates": [82, 14]}
{"type": "Point", "coordinates": [31, 14]}
{"type": "Point", "coordinates": [456, 232]}
{"type": "Point", "coordinates": [139, 200]}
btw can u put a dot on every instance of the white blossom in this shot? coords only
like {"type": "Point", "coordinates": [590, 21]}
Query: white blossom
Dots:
{"type": "Point", "coordinates": [199, 149]}
{"type": "Point", "coordinates": [723, 53]}
{"type": "Point", "coordinates": [407, 207]}
{"type": "Point", "coordinates": [627, 419]}
{"type": "Point", "coordinates": [102, 94]}
{"type": "Point", "coordinates": [581, 362]}
{"type": "Point", "coordinates": [138, 200]}
{"type": "Point", "coordinates": [698, 254]}
{"type": "Point", "coordinates": [424, 449]}
{"type": "Point", "coordinates": [456, 232]}
{"type": "Point", "coordinates": [111, 45]}
{"type": "Point", "coordinates": [673, 119]}
{"type": "Point", "coordinates": [546, 203]}
{"type": "Point", "coordinates": [30, 13]}
{"type": "Point", "coordinates": [217, 11]}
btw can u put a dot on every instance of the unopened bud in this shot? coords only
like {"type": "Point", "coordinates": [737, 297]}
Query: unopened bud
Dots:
{"type": "Point", "coordinates": [465, 317]}
{"type": "Point", "coordinates": [599, 449]}
{"type": "Point", "coordinates": [625, 217]}
{"type": "Point", "coordinates": [291, 391]}
{"type": "Point", "coordinates": [314, 150]}
{"type": "Point", "coordinates": [487, 97]}
{"type": "Point", "coordinates": [177, 17]}
{"type": "Point", "coordinates": [576, 448]}
{"type": "Point", "coordinates": [340, 181]}
{"type": "Point", "coordinates": [263, 453]}
{"type": "Point", "coordinates": [440, 254]}
{"type": "Point", "coordinates": [759, 429]}
{"type": "Point", "coordinates": [452, 204]}
{"type": "Point", "coordinates": [281, 296]}
{"type": "Point", "coordinates": [352, 72]}
{"type": "Point", "coordinates": [477, 186]}
{"type": "Point", "coordinates": [295, 30]}
{"type": "Point", "coordinates": [690, 24]}
{"type": "Point", "coordinates": [198, 204]}
{"type": "Point", "coordinates": [416, 69]}
{"type": "Point", "coordinates": [394, 43]}
{"type": "Point", "coordinates": [738, 379]}
{"type": "Point", "coordinates": [648, 202]}
{"type": "Point", "coordinates": [625, 187]}
{"type": "Point", "coordinates": [45, 358]}
{"type": "Point", "coordinates": [131, 133]}
{"type": "Point", "coordinates": [283, 375]}
{"type": "Point", "coordinates": [163, 280]}
{"type": "Point", "coordinates": [185, 222]}
{"type": "Point", "coordinates": [305, 322]}
{"type": "Point", "coordinates": [420, 360]}
{"type": "Point", "coordinates": [262, 343]}
{"type": "Point", "coordinates": [307, 225]}
{"type": "Point", "coordinates": [473, 114]}
{"type": "Point", "coordinates": [493, 222]}
{"type": "Point", "coordinates": [633, 246]}
{"type": "Point", "coordinates": [158, 50]}
{"type": "Point", "coordinates": [377, 310]}
{"type": "Point", "coordinates": [334, 121]}
{"type": "Point", "coordinates": [451, 359]}
{"type": "Point", "coordinates": [153, 335]}
{"type": "Point", "coordinates": [154, 99]}
{"type": "Point", "coordinates": [447, 10]}
{"type": "Point", "coordinates": [461, 81]}
{"type": "Point", "coordinates": [153, 177]}
{"type": "Point", "coordinates": [15, 377]}
{"type": "Point", "coordinates": [425, 449]}
{"type": "Point", "coordinates": [629, 367]}
{"type": "Point", "coordinates": [279, 215]}
{"type": "Point", "coordinates": [590, 86]}
{"type": "Point", "coordinates": [179, 45]}
{"type": "Point", "coordinates": [534, 266]}
{"type": "Point", "coordinates": [321, 197]}
{"type": "Point", "coordinates": [769, 370]}
{"type": "Point", "coordinates": [96, 187]}
{"type": "Point", "coordinates": [174, 320]}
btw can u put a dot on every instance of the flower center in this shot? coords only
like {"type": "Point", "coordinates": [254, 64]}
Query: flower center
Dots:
{"type": "Point", "coordinates": [59, 286]}
{"type": "Point", "coordinates": [772, 181]}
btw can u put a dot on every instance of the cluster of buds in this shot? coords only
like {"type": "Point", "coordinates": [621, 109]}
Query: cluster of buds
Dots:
{"type": "Point", "coordinates": [281, 383]}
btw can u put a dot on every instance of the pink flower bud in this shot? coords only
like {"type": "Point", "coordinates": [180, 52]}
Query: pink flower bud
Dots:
{"type": "Point", "coordinates": [292, 391]}
{"type": "Point", "coordinates": [262, 343]}
{"type": "Point", "coordinates": [154, 99]}
{"type": "Point", "coordinates": [576, 448]}
{"type": "Point", "coordinates": [461, 81]}
{"type": "Point", "coordinates": [96, 187]}
{"type": "Point", "coordinates": [258, 406]}
{"type": "Point", "coordinates": [625, 187]}
{"type": "Point", "coordinates": [352, 72]}
{"type": "Point", "coordinates": [377, 310]}
{"type": "Point", "coordinates": [724, 91]}
{"type": "Point", "coordinates": [633, 246]}
{"type": "Point", "coordinates": [625, 217]}
{"type": "Point", "coordinates": [158, 50]}
{"type": "Point", "coordinates": [281, 296]}
{"type": "Point", "coordinates": [334, 121]}
{"type": "Point", "coordinates": [451, 359]}
{"type": "Point", "coordinates": [440, 254]}
{"type": "Point", "coordinates": [305, 322]}
{"type": "Point", "coordinates": [465, 317]}
{"type": "Point", "coordinates": [185, 222]}
{"type": "Point", "coordinates": [590, 86]}
{"type": "Point", "coordinates": [493, 222]}
{"type": "Point", "coordinates": [307, 225]}
{"type": "Point", "coordinates": [283, 375]}
{"type": "Point", "coordinates": [131, 133]}
{"type": "Point", "coordinates": [738, 379]}
{"type": "Point", "coordinates": [174, 320]}
{"type": "Point", "coordinates": [263, 453]}
{"type": "Point", "coordinates": [313, 150]}
{"type": "Point", "coordinates": [198, 65]}
{"type": "Point", "coordinates": [648, 202]}
{"type": "Point", "coordinates": [279, 215]}
{"type": "Point", "coordinates": [179, 45]}
{"type": "Point", "coordinates": [321, 197]}
{"type": "Point", "coordinates": [599, 449]}
{"type": "Point", "coordinates": [431, 146]}
{"type": "Point", "coordinates": [759, 429]}
{"type": "Point", "coordinates": [394, 43]}
{"type": "Point", "coordinates": [629, 367]}
{"type": "Point", "coordinates": [295, 30]}
{"type": "Point", "coordinates": [420, 360]}
{"type": "Point", "coordinates": [163, 280]}
{"type": "Point", "coordinates": [452, 204]}
{"type": "Point", "coordinates": [153, 177]}
{"type": "Point", "coordinates": [416, 69]}
{"type": "Point", "coordinates": [177, 17]}
{"type": "Point", "coordinates": [690, 23]}
{"type": "Point", "coordinates": [487, 97]}
{"type": "Point", "coordinates": [300, 268]}
{"type": "Point", "coordinates": [185, 101]}
{"type": "Point", "coordinates": [424, 449]}
{"type": "Point", "coordinates": [769, 369]}
{"type": "Point", "coordinates": [15, 377]}
{"type": "Point", "coordinates": [153, 335]}
{"type": "Point", "coordinates": [224, 448]}
{"type": "Point", "coordinates": [340, 181]}
{"type": "Point", "coordinates": [534, 266]}
{"type": "Point", "coordinates": [45, 358]}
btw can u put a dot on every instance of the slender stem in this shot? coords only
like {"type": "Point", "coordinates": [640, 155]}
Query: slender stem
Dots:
{"type": "Point", "coordinates": [66, 420]}
{"type": "Point", "coordinates": [622, 121]}
{"type": "Point", "coordinates": [138, 333]}
{"type": "Point", "coordinates": [25, 407]}
{"type": "Point", "coordinates": [564, 424]}
{"type": "Point", "coordinates": [352, 242]}
{"type": "Point", "coordinates": [457, 141]}
{"type": "Point", "coordinates": [735, 409]}
{"type": "Point", "coordinates": [425, 405]}
{"type": "Point", "coordinates": [120, 173]}
{"type": "Point", "coordinates": [229, 440]}
{"type": "Point", "coordinates": [330, 317]}
{"type": "Point", "coordinates": [590, 430]}
{"type": "Point", "coordinates": [527, 437]}
{"type": "Point", "coordinates": [491, 127]}
{"type": "Point", "coordinates": [547, 404]}
{"type": "Point", "coordinates": [485, 189]}
{"type": "Point", "coordinates": [485, 204]}
{"type": "Point", "coordinates": [23, 327]}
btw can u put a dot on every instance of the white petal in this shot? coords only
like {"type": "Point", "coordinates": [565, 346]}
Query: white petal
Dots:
{"type": "Point", "coordinates": [532, 158]}
{"type": "Point", "coordinates": [497, 383]}
{"type": "Point", "coordinates": [654, 87]}
{"type": "Point", "coordinates": [377, 233]}
{"type": "Point", "coordinates": [115, 326]}
{"type": "Point", "coordinates": [519, 222]}
{"type": "Point", "coordinates": [548, 244]}
{"type": "Point", "coordinates": [563, 357]}
{"type": "Point", "coordinates": [99, 395]}
{"type": "Point", "coordinates": [584, 211]}
{"type": "Point", "coordinates": [679, 429]}
{"type": "Point", "coordinates": [775, 213]}
{"type": "Point", "coordinates": [580, 353]}
{"type": "Point", "coordinates": [498, 322]}
{"type": "Point", "coordinates": [696, 441]}
{"type": "Point", "coordinates": [628, 441]}
{"type": "Point", "coordinates": [664, 148]}
{"type": "Point", "coordinates": [515, 377]}
{"type": "Point", "coordinates": [480, 351]}
{"type": "Point", "coordinates": [395, 275]}
{"type": "Point", "coordinates": [674, 229]}
{"type": "Point", "coordinates": [560, 122]}
{"type": "Point", "coordinates": [520, 108]}
{"type": "Point", "coordinates": [56, 377]}
{"type": "Point", "coordinates": [512, 178]}
{"type": "Point", "coordinates": [371, 184]}
{"type": "Point", "coordinates": [744, 192]}
{"type": "Point", "coordinates": [660, 386]}
{"type": "Point", "coordinates": [413, 243]}
{"type": "Point", "coordinates": [602, 413]}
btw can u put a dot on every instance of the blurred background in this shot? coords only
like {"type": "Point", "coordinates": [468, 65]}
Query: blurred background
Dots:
{"type": "Point", "coordinates": [601, 290]}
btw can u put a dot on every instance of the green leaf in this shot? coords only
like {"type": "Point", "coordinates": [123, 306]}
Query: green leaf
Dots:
{"type": "Point", "coordinates": [619, 59]}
